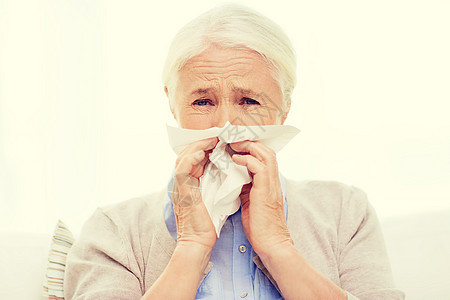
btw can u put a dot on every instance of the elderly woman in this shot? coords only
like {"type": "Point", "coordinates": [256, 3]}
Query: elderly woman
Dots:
{"type": "Point", "coordinates": [232, 64]}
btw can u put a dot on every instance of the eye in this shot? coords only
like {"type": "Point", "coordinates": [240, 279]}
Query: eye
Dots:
{"type": "Point", "coordinates": [201, 102]}
{"type": "Point", "coordinates": [250, 101]}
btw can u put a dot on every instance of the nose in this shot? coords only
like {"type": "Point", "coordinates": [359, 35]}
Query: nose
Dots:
{"type": "Point", "coordinates": [224, 113]}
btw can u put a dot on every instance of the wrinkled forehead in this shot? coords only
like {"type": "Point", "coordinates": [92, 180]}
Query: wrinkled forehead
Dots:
{"type": "Point", "coordinates": [227, 64]}
{"type": "Point", "coordinates": [218, 55]}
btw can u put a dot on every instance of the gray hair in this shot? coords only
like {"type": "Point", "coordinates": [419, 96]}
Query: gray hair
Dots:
{"type": "Point", "coordinates": [235, 26]}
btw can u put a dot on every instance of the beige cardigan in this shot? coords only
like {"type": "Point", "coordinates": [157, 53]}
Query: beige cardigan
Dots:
{"type": "Point", "coordinates": [123, 248]}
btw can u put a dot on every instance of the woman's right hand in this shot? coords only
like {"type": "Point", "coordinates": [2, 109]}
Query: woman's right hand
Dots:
{"type": "Point", "coordinates": [196, 235]}
{"type": "Point", "coordinates": [194, 225]}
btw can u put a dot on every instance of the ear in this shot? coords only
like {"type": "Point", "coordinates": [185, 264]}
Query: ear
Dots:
{"type": "Point", "coordinates": [166, 90]}
{"type": "Point", "coordinates": [285, 113]}
{"type": "Point", "coordinates": [283, 118]}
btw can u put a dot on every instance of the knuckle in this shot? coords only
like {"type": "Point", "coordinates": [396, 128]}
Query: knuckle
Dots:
{"type": "Point", "coordinates": [263, 168]}
{"type": "Point", "coordinates": [178, 160]}
{"type": "Point", "coordinates": [185, 159]}
{"type": "Point", "coordinates": [184, 201]}
{"type": "Point", "coordinates": [210, 144]}
{"type": "Point", "coordinates": [195, 194]}
{"type": "Point", "coordinates": [272, 153]}
{"type": "Point", "coordinates": [181, 178]}
{"type": "Point", "coordinates": [272, 162]}
{"type": "Point", "coordinates": [197, 156]}
{"type": "Point", "coordinates": [191, 160]}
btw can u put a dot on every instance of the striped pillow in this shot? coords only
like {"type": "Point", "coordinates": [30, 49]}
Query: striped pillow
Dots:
{"type": "Point", "coordinates": [61, 242]}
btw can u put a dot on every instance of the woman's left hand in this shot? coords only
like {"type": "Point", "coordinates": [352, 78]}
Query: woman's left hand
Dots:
{"type": "Point", "coordinates": [262, 208]}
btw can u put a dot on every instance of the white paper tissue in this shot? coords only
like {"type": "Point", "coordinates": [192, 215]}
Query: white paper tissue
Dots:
{"type": "Point", "coordinates": [223, 179]}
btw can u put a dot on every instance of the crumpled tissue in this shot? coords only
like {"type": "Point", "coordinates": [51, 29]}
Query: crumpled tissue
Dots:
{"type": "Point", "coordinates": [222, 180]}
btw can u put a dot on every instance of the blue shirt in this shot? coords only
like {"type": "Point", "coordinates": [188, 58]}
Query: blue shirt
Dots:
{"type": "Point", "coordinates": [234, 275]}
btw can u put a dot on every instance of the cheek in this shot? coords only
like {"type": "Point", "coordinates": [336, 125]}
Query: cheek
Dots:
{"type": "Point", "coordinates": [239, 115]}
{"type": "Point", "coordinates": [261, 115]}
{"type": "Point", "coordinates": [192, 117]}
{"type": "Point", "coordinates": [195, 121]}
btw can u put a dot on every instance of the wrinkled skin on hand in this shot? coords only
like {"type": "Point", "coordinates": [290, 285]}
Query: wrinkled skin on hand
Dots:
{"type": "Point", "coordinates": [194, 225]}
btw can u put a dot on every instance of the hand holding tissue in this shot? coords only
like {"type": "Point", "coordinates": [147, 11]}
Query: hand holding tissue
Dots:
{"type": "Point", "coordinates": [222, 179]}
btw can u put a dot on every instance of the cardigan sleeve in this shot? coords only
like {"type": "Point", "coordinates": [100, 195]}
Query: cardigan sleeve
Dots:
{"type": "Point", "coordinates": [98, 266]}
{"type": "Point", "coordinates": [364, 267]}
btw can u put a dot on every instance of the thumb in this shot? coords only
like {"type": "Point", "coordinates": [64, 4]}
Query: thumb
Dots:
{"type": "Point", "coordinates": [245, 191]}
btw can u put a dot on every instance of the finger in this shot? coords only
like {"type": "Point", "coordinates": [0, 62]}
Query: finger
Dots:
{"type": "Point", "coordinates": [195, 156]}
{"type": "Point", "coordinates": [205, 145]}
{"type": "Point", "coordinates": [198, 169]}
{"type": "Point", "coordinates": [245, 191]}
{"type": "Point", "coordinates": [186, 177]}
{"type": "Point", "coordinates": [256, 149]}
{"type": "Point", "coordinates": [186, 194]}
{"type": "Point", "coordinates": [192, 164]}
{"type": "Point", "coordinates": [255, 167]}
{"type": "Point", "coordinates": [189, 167]}
{"type": "Point", "coordinates": [253, 164]}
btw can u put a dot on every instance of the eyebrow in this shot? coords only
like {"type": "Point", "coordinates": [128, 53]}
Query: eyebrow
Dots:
{"type": "Point", "coordinates": [246, 92]}
{"type": "Point", "coordinates": [203, 91]}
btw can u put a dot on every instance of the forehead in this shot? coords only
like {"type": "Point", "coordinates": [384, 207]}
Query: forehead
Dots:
{"type": "Point", "coordinates": [235, 67]}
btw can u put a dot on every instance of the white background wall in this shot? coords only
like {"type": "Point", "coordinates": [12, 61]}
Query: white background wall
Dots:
{"type": "Point", "coordinates": [82, 108]}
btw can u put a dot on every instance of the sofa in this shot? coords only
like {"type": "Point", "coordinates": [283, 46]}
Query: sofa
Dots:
{"type": "Point", "coordinates": [418, 247]}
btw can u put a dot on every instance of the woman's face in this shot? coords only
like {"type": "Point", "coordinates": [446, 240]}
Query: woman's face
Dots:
{"type": "Point", "coordinates": [226, 84]}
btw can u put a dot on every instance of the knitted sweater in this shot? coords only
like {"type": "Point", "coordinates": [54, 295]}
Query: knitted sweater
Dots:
{"type": "Point", "coordinates": [124, 248]}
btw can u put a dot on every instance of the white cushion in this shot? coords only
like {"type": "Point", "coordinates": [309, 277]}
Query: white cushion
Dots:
{"type": "Point", "coordinates": [62, 241]}
{"type": "Point", "coordinates": [419, 250]}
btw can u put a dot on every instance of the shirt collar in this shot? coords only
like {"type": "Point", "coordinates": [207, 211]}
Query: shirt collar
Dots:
{"type": "Point", "coordinates": [169, 215]}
